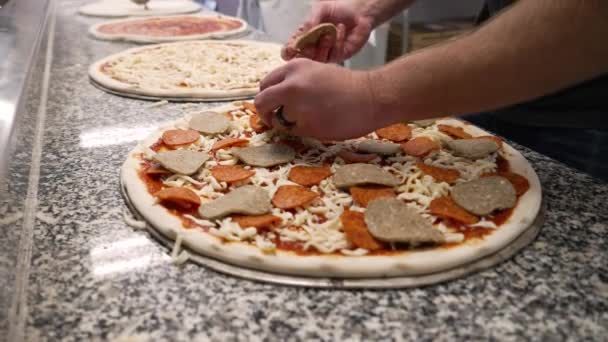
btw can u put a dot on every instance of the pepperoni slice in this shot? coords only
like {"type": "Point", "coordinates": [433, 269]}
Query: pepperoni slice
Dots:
{"type": "Point", "coordinates": [492, 137]}
{"type": "Point", "coordinates": [257, 125]}
{"type": "Point", "coordinates": [362, 195]}
{"type": "Point", "coordinates": [519, 182]}
{"type": "Point", "coordinates": [257, 221]}
{"type": "Point", "coordinates": [229, 142]}
{"type": "Point", "coordinates": [353, 157]}
{"type": "Point", "coordinates": [183, 198]}
{"type": "Point", "coordinates": [397, 132]}
{"type": "Point", "coordinates": [353, 225]}
{"type": "Point", "coordinates": [230, 173]}
{"type": "Point", "coordinates": [249, 106]}
{"type": "Point", "coordinates": [454, 132]}
{"type": "Point", "coordinates": [447, 208]}
{"type": "Point", "coordinates": [293, 196]}
{"type": "Point", "coordinates": [419, 147]}
{"type": "Point", "coordinates": [440, 174]}
{"type": "Point", "coordinates": [308, 175]}
{"type": "Point", "coordinates": [155, 168]}
{"type": "Point", "coordinates": [177, 137]}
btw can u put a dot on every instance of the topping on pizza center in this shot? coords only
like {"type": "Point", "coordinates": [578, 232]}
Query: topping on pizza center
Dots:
{"type": "Point", "coordinates": [308, 200]}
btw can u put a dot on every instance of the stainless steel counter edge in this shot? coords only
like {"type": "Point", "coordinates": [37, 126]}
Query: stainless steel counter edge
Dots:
{"type": "Point", "coordinates": [22, 26]}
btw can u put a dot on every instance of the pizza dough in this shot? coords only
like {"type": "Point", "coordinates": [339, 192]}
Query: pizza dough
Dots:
{"type": "Point", "coordinates": [312, 240]}
{"type": "Point", "coordinates": [190, 70]}
{"type": "Point", "coordinates": [169, 28]}
{"type": "Point", "coordinates": [124, 8]}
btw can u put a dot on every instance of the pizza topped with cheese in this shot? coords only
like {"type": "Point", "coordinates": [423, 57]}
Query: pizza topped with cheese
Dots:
{"type": "Point", "coordinates": [411, 198]}
{"type": "Point", "coordinates": [193, 70]}
{"type": "Point", "coordinates": [169, 28]}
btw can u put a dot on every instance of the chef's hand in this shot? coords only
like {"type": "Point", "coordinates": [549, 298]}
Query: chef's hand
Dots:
{"type": "Point", "coordinates": [353, 26]}
{"type": "Point", "coordinates": [324, 101]}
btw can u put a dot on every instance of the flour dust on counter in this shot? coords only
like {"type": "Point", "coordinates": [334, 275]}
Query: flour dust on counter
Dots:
{"type": "Point", "coordinates": [429, 199]}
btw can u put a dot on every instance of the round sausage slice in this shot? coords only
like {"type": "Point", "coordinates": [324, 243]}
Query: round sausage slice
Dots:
{"type": "Point", "coordinates": [473, 148]}
{"type": "Point", "coordinates": [265, 155]}
{"type": "Point", "coordinates": [357, 174]}
{"type": "Point", "coordinates": [484, 195]}
{"type": "Point", "coordinates": [391, 220]}
{"type": "Point", "coordinates": [248, 200]}
{"type": "Point", "coordinates": [209, 122]}
{"type": "Point", "coordinates": [184, 162]}
{"type": "Point", "coordinates": [378, 147]}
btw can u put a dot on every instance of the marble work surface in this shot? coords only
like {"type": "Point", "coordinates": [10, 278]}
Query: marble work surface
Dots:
{"type": "Point", "coordinates": [92, 277]}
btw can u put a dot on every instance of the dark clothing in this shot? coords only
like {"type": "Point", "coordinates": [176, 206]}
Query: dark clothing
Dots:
{"type": "Point", "coordinates": [570, 125]}
{"type": "Point", "coordinates": [585, 149]}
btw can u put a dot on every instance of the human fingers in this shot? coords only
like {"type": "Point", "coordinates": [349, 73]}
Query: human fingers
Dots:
{"type": "Point", "coordinates": [274, 77]}
{"type": "Point", "coordinates": [283, 119]}
{"type": "Point", "coordinates": [355, 40]}
{"type": "Point", "coordinates": [336, 53]}
{"type": "Point", "coordinates": [324, 47]}
{"type": "Point", "coordinates": [267, 101]}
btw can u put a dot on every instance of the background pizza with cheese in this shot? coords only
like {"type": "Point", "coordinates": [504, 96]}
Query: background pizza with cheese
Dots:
{"type": "Point", "coordinates": [194, 70]}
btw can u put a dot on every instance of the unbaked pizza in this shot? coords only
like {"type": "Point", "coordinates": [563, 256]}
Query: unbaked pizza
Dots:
{"type": "Point", "coordinates": [409, 199]}
{"type": "Point", "coordinates": [189, 70]}
{"type": "Point", "coordinates": [168, 29]}
{"type": "Point", "coordinates": [125, 8]}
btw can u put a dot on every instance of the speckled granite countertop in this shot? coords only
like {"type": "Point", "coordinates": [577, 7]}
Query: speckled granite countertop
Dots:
{"type": "Point", "coordinates": [71, 269]}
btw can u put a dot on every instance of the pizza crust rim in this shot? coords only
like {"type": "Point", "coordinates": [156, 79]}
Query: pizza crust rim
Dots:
{"type": "Point", "coordinates": [138, 38]}
{"type": "Point", "coordinates": [96, 9]}
{"type": "Point", "coordinates": [413, 263]}
{"type": "Point", "coordinates": [125, 89]}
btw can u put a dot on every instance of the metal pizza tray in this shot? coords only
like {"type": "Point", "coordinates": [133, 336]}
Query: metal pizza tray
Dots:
{"type": "Point", "coordinates": [354, 283]}
{"type": "Point", "coordinates": [172, 99]}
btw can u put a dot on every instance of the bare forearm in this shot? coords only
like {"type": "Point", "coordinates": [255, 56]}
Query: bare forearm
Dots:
{"type": "Point", "coordinates": [533, 49]}
{"type": "Point", "coordinates": [382, 10]}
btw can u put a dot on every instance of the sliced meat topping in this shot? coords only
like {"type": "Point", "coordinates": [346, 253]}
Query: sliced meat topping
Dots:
{"type": "Point", "coordinates": [265, 155]}
{"type": "Point", "coordinates": [440, 174]}
{"type": "Point", "coordinates": [362, 195]}
{"type": "Point", "coordinates": [391, 220]}
{"type": "Point", "coordinates": [484, 195]}
{"type": "Point", "coordinates": [358, 174]}
{"type": "Point", "coordinates": [473, 148]}
{"type": "Point", "coordinates": [209, 122]}
{"type": "Point", "coordinates": [229, 142]}
{"type": "Point", "coordinates": [355, 229]}
{"type": "Point", "coordinates": [257, 221]}
{"type": "Point", "coordinates": [179, 137]}
{"type": "Point", "coordinates": [519, 182]}
{"type": "Point", "coordinates": [181, 197]}
{"type": "Point", "coordinates": [454, 132]}
{"type": "Point", "coordinates": [378, 147]}
{"type": "Point", "coordinates": [425, 123]}
{"type": "Point", "coordinates": [308, 175]}
{"type": "Point", "coordinates": [293, 196]}
{"type": "Point", "coordinates": [312, 36]}
{"type": "Point", "coordinates": [230, 173]}
{"type": "Point", "coordinates": [397, 132]}
{"type": "Point", "coordinates": [354, 157]}
{"type": "Point", "coordinates": [447, 208]}
{"type": "Point", "coordinates": [248, 200]}
{"type": "Point", "coordinates": [184, 162]}
{"type": "Point", "coordinates": [419, 147]}
{"type": "Point", "coordinates": [257, 125]}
